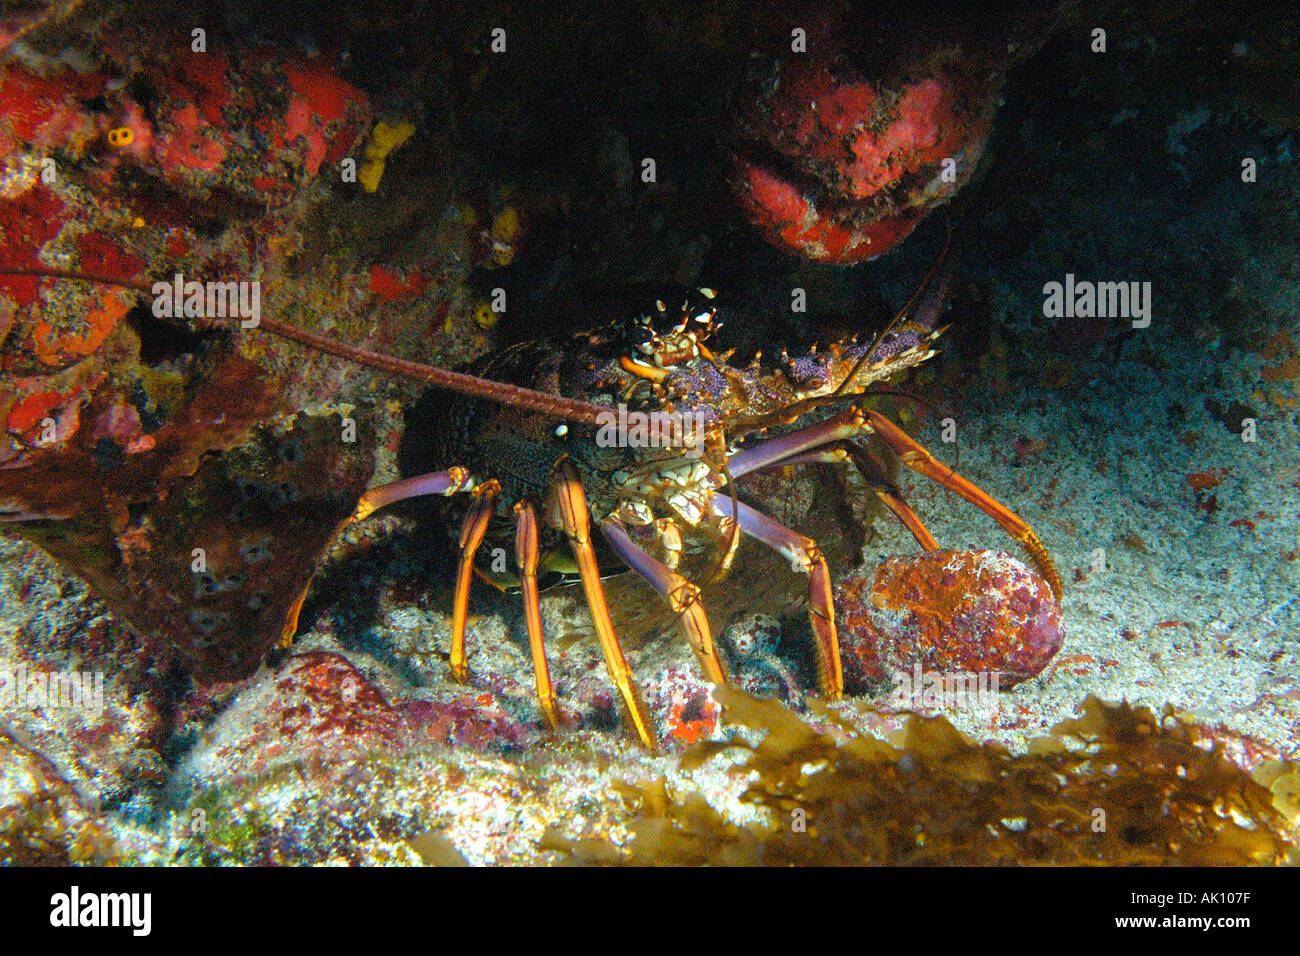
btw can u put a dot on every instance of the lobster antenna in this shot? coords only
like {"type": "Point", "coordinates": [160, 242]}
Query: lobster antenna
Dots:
{"type": "Point", "coordinates": [516, 396]}
{"type": "Point", "coordinates": [898, 316]}
{"type": "Point", "coordinates": [903, 393]}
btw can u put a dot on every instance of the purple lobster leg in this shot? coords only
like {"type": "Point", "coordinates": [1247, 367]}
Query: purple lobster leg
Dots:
{"type": "Point", "coordinates": [849, 423]}
{"type": "Point", "coordinates": [682, 596]}
{"type": "Point", "coordinates": [853, 422]}
{"type": "Point", "coordinates": [449, 482]}
{"type": "Point", "coordinates": [806, 557]}
{"type": "Point", "coordinates": [821, 456]}
{"type": "Point", "coordinates": [12, 514]}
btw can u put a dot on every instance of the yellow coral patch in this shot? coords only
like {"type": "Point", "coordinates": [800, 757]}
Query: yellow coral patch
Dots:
{"type": "Point", "coordinates": [484, 316]}
{"type": "Point", "coordinates": [505, 229]}
{"type": "Point", "coordinates": [383, 140]}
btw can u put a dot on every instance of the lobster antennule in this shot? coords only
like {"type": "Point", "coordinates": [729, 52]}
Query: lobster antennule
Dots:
{"type": "Point", "coordinates": [557, 406]}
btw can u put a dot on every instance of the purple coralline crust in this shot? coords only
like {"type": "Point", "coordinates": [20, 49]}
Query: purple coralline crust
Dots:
{"type": "Point", "coordinates": [320, 706]}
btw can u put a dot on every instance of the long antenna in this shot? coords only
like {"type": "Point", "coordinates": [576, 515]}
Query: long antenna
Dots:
{"type": "Point", "coordinates": [572, 409]}
{"type": "Point", "coordinates": [898, 316]}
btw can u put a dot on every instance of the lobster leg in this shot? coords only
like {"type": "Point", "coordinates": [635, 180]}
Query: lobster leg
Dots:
{"type": "Point", "coordinates": [455, 479]}
{"type": "Point", "coordinates": [526, 556]}
{"type": "Point", "coordinates": [914, 456]}
{"type": "Point", "coordinates": [853, 422]}
{"type": "Point", "coordinates": [572, 505]}
{"type": "Point", "coordinates": [847, 424]}
{"type": "Point", "coordinates": [805, 556]}
{"type": "Point", "coordinates": [875, 476]}
{"type": "Point", "coordinates": [870, 468]}
{"type": "Point", "coordinates": [471, 536]}
{"type": "Point", "coordinates": [682, 596]}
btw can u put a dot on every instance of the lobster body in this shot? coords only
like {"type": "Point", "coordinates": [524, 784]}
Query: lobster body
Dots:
{"type": "Point", "coordinates": [658, 377]}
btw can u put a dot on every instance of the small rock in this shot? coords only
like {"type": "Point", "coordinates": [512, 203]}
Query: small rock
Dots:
{"type": "Point", "coordinates": [947, 611]}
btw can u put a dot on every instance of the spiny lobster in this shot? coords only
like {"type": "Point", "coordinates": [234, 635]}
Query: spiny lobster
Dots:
{"type": "Point", "coordinates": [652, 501]}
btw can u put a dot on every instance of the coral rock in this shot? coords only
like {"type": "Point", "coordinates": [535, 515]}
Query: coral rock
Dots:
{"type": "Point", "coordinates": [43, 820]}
{"type": "Point", "coordinates": [947, 611]}
{"type": "Point", "coordinates": [320, 708]}
{"type": "Point", "coordinates": [879, 158]}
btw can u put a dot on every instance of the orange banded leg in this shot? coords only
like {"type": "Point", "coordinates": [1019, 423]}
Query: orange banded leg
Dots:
{"type": "Point", "coordinates": [572, 504]}
{"type": "Point", "coordinates": [874, 474]}
{"type": "Point", "coordinates": [526, 557]}
{"type": "Point", "coordinates": [681, 595]}
{"type": "Point", "coordinates": [472, 531]}
{"type": "Point", "coordinates": [909, 518]}
{"type": "Point", "coordinates": [729, 533]}
{"type": "Point", "coordinates": [914, 456]}
{"type": "Point", "coordinates": [455, 479]}
{"type": "Point", "coordinates": [804, 556]}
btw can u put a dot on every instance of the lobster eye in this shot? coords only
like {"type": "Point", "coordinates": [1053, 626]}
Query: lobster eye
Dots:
{"type": "Point", "coordinates": [639, 333]}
